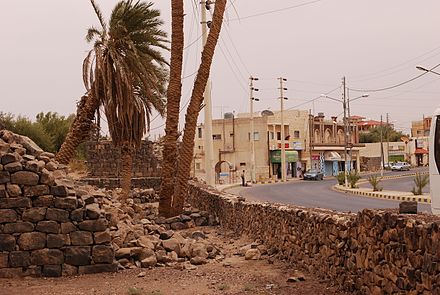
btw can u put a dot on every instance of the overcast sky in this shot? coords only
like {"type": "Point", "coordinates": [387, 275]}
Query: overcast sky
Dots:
{"type": "Point", "coordinates": [373, 43]}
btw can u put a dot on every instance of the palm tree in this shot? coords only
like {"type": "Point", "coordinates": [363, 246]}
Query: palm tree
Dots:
{"type": "Point", "coordinates": [124, 72]}
{"type": "Point", "coordinates": [174, 93]}
{"type": "Point", "coordinates": [187, 149]}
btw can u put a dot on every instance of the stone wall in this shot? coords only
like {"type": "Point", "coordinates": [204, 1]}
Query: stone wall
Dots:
{"type": "Point", "coordinates": [104, 159]}
{"type": "Point", "coordinates": [112, 183]}
{"type": "Point", "coordinates": [48, 227]}
{"type": "Point", "coordinates": [372, 252]}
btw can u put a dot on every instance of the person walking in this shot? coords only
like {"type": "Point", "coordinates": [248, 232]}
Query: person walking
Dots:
{"type": "Point", "coordinates": [243, 183]}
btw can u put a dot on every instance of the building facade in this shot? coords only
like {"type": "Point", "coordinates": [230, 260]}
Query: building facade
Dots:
{"type": "Point", "coordinates": [421, 128]}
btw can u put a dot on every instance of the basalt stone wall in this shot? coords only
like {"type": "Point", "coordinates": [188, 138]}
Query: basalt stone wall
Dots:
{"type": "Point", "coordinates": [372, 252]}
{"type": "Point", "coordinates": [104, 160]}
{"type": "Point", "coordinates": [112, 183]}
{"type": "Point", "coordinates": [48, 227]}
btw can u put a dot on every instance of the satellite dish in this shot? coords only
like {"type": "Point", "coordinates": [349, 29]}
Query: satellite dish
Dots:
{"type": "Point", "coordinates": [405, 139]}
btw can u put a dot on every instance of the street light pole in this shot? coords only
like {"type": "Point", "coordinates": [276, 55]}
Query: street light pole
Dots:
{"type": "Point", "coordinates": [344, 105]}
{"type": "Point", "coordinates": [208, 141]}
{"type": "Point", "coordinates": [252, 136]}
{"type": "Point", "coordinates": [283, 148]}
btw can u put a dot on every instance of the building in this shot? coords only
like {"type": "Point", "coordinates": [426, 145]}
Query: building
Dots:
{"type": "Point", "coordinates": [329, 145]}
{"type": "Point", "coordinates": [233, 148]}
{"type": "Point", "coordinates": [421, 128]}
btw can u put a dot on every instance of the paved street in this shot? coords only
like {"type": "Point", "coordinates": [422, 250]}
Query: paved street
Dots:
{"type": "Point", "coordinates": [320, 194]}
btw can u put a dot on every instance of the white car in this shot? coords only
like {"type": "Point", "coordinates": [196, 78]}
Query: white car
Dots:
{"type": "Point", "coordinates": [400, 166]}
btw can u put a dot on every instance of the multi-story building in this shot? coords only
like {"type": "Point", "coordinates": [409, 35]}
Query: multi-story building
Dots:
{"type": "Point", "coordinates": [421, 128]}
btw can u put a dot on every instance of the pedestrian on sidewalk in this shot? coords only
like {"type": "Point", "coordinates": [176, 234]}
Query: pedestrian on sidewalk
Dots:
{"type": "Point", "coordinates": [243, 183]}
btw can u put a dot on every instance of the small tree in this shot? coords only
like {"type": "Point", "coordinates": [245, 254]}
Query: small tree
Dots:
{"type": "Point", "coordinates": [374, 180]}
{"type": "Point", "coordinates": [340, 178]}
{"type": "Point", "coordinates": [353, 178]}
{"type": "Point", "coordinates": [421, 181]}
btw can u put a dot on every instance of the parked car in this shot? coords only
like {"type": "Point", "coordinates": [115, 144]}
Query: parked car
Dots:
{"type": "Point", "coordinates": [313, 175]}
{"type": "Point", "coordinates": [400, 166]}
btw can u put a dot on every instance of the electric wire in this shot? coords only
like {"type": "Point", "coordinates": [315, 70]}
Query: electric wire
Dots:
{"type": "Point", "coordinates": [313, 99]}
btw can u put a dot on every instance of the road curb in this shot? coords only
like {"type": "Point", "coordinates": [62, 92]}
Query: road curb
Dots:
{"type": "Point", "coordinates": [384, 195]}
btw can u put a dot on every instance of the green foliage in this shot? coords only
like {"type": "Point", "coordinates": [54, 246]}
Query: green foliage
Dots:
{"type": "Point", "coordinates": [374, 134]}
{"type": "Point", "coordinates": [374, 180]}
{"type": "Point", "coordinates": [340, 178]}
{"type": "Point", "coordinates": [353, 178]}
{"type": "Point", "coordinates": [421, 180]}
{"type": "Point", "coordinates": [48, 131]}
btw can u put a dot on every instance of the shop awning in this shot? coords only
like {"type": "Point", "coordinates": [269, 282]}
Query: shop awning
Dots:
{"type": "Point", "coordinates": [291, 156]}
{"type": "Point", "coordinates": [332, 156]}
{"type": "Point", "coordinates": [420, 151]}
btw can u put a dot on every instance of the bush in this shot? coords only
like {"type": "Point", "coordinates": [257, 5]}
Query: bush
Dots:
{"type": "Point", "coordinates": [340, 178]}
{"type": "Point", "coordinates": [374, 180]}
{"type": "Point", "coordinates": [421, 181]}
{"type": "Point", "coordinates": [353, 178]}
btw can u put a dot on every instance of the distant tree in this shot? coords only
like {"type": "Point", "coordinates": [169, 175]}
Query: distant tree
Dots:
{"type": "Point", "coordinates": [56, 126]}
{"type": "Point", "coordinates": [374, 134]}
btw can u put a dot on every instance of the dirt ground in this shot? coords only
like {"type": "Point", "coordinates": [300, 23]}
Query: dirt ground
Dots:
{"type": "Point", "coordinates": [233, 275]}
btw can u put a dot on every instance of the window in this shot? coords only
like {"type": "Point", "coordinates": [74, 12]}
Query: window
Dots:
{"type": "Point", "coordinates": [217, 136]}
{"type": "Point", "coordinates": [278, 135]}
{"type": "Point", "coordinates": [296, 133]}
{"type": "Point", "coordinates": [231, 134]}
{"type": "Point", "coordinates": [199, 132]}
{"type": "Point", "coordinates": [271, 135]}
{"type": "Point", "coordinates": [256, 136]}
{"type": "Point", "coordinates": [197, 166]}
{"type": "Point", "coordinates": [242, 164]}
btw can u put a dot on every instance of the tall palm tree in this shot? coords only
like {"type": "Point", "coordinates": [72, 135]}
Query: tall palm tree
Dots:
{"type": "Point", "coordinates": [124, 72]}
{"type": "Point", "coordinates": [174, 93]}
{"type": "Point", "coordinates": [187, 149]}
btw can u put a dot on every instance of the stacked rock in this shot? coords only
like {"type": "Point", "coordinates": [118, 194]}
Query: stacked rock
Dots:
{"type": "Point", "coordinates": [47, 228]}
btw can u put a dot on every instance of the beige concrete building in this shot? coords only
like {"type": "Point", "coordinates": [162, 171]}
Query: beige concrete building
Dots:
{"type": "Point", "coordinates": [421, 128]}
{"type": "Point", "coordinates": [233, 149]}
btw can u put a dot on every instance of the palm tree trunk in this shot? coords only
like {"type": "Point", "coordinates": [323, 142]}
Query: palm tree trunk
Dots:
{"type": "Point", "coordinates": [80, 128]}
{"type": "Point", "coordinates": [187, 148]}
{"type": "Point", "coordinates": [127, 164]}
{"type": "Point", "coordinates": [174, 92]}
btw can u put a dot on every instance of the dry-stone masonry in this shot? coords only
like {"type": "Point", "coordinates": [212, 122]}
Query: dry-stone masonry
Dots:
{"type": "Point", "coordinates": [372, 252]}
{"type": "Point", "coordinates": [48, 227]}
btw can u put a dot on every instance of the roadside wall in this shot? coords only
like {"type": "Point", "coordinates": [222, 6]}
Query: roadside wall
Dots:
{"type": "Point", "coordinates": [372, 252]}
{"type": "Point", "coordinates": [112, 183]}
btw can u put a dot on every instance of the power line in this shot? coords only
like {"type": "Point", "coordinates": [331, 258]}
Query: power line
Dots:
{"type": "Point", "coordinates": [393, 86]}
{"type": "Point", "coordinates": [313, 99]}
{"type": "Point", "coordinates": [276, 10]}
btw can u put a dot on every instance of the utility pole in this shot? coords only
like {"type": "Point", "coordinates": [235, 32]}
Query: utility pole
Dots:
{"type": "Point", "coordinates": [311, 123]}
{"type": "Point", "coordinates": [283, 148]}
{"type": "Point", "coordinates": [252, 131]}
{"type": "Point", "coordinates": [344, 105]}
{"type": "Point", "coordinates": [209, 148]}
{"type": "Point", "coordinates": [382, 163]}
{"type": "Point", "coordinates": [350, 144]}
{"type": "Point", "coordinates": [388, 138]}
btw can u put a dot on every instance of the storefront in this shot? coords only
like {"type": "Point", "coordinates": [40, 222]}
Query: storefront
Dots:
{"type": "Point", "coordinates": [332, 163]}
{"type": "Point", "coordinates": [292, 162]}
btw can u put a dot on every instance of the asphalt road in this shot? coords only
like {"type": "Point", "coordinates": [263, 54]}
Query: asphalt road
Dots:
{"type": "Point", "coordinates": [320, 194]}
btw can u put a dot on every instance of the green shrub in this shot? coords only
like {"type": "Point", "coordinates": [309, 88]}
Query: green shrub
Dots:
{"type": "Point", "coordinates": [340, 178]}
{"type": "Point", "coordinates": [374, 180]}
{"type": "Point", "coordinates": [353, 178]}
{"type": "Point", "coordinates": [421, 181]}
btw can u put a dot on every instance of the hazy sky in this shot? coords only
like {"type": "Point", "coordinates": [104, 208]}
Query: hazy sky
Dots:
{"type": "Point", "coordinates": [374, 43]}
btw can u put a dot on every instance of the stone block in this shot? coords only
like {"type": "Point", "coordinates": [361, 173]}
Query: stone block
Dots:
{"type": "Point", "coordinates": [32, 241]}
{"type": "Point", "coordinates": [18, 227]}
{"type": "Point", "coordinates": [51, 166]}
{"type": "Point", "coordinates": [102, 254]}
{"type": "Point", "coordinates": [52, 270]}
{"type": "Point", "coordinates": [47, 256]}
{"type": "Point", "coordinates": [43, 201]}
{"type": "Point", "coordinates": [47, 177]}
{"type": "Point", "coordinates": [9, 203]}
{"type": "Point", "coordinates": [97, 268]}
{"type": "Point", "coordinates": [7, 215]}
{"type": "Point", "coordinates": [93, 211]}
{"type": "Point", "coordinates": [5, 177]}
{"type": "Point", "coordinates": [19, 259]}
{"type": "Point", "coordinates": [13, 190]}
{"type": "Point", "coordinates": [4, 260]}
{"type": "Point", "coordinates": [102, 237]}
{"type": "Point", "coordinates": [59, 215]}
{"type": "Point", "coordinates": [3, 192]}
{"type": "Point", "coordinates": [67, 227]}
{"type": "Point", "coordinates": [68, 203]}
{"type": "Point", "coordinates": [94, 225]}
{"type": "Point", "coordinates": [13, 167]}
{"type": "Point", "coordinates": [81, 238]}
{"type": "Point", "coordinates": [57, 240]}
{"type": "Point", "coordinates": [31, 166]}
{"type": "Point", "coordinates": [11, 272]}
{"type": "Point", "coordinates": [10, 158]}
{"type": "Point", "coordinates": [48, 227]}
{"type": "Point", "coordinates": [25, 178]}
{"type": "Point", "coordinates": [77, 215]}
{"type": "Point", "coordinates": [32, 271]}
{"type": "Point", "coordinates": [36, 190]}
{"type": "Point", "coordinates": [77, 255]}
{"type": "Point", "coordinates": [69, 270]}
{"type": "Point", "coordinates": [34, 214]}
{"type": "Point", "coordinates": [59, 190]}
